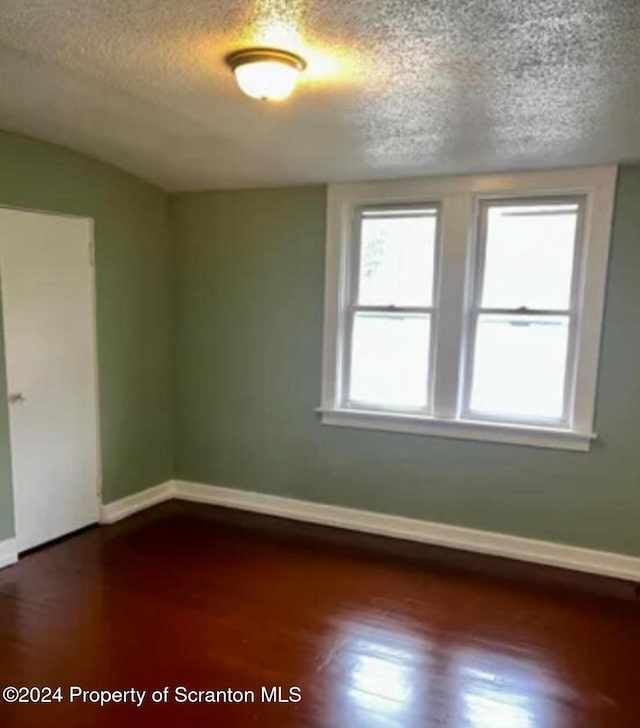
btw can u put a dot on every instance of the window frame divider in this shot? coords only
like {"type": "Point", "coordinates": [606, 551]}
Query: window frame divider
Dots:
{"type": "Point", "coordinates": [449, 340]}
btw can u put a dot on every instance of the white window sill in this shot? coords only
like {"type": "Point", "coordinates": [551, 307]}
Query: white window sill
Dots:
{"type": "Point", "coordinates": [548, 437]}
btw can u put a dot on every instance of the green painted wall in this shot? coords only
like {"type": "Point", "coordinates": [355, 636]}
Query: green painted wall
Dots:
{"type": "Point", "coordinates": [246, 271]}
{"type": "Point", "coordinates": [134, 307]}
{"type": "Point", "coordinates": [250, 268]}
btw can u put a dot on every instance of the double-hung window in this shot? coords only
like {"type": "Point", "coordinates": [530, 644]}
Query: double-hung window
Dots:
{"type": "Point", "coordinates": [391, 311]}
{"type": "Point", "coordinates": [468, 307]}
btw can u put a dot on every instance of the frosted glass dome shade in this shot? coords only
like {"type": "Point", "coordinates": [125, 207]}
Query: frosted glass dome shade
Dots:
{"type": "Point", "coordinates": [264, 73]}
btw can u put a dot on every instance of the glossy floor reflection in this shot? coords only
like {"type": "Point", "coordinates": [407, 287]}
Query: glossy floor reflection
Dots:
{"type": "Point", "coordinates": [502, 692]}
{"type": "Point", "coordinates": [189, 595]}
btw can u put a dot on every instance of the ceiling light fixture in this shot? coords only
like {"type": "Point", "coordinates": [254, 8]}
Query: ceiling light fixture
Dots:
{"type": "Point", "coordinates": [266, 73]}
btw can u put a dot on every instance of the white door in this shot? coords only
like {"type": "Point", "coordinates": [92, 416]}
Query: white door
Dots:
{"type": "Point", "coordinates": [46, 277]}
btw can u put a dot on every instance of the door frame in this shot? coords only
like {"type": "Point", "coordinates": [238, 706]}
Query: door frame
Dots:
{"type": "Point", "coordinates": [94, 357]}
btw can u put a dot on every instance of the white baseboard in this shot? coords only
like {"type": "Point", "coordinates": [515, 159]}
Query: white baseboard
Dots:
{"type": "Point", "coordinates": [467, 539]}
{"type": "Point", "coordinates": [125, 507]}
{"type": "Point", "coordinates": [590, 561]}
{"type": "Point", "coordinates": [8, 552]}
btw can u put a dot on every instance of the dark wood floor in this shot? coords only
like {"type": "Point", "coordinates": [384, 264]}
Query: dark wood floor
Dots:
{"type": "Point", "coordinates": [187, 595]}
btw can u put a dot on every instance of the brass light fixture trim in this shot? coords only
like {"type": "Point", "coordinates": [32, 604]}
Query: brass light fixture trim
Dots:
{"type": "Point", "coordinates": [256, 55]}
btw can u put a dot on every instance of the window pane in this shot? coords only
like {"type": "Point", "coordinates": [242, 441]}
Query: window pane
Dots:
{"type": "Point", "coordinates": [390, 360]}
{"type": "Point", "coordinates": [397, 257]}
{"type": "Point", "coordinates": [519, 366]}
{"type": "Point", "coordinates": [529, 255]}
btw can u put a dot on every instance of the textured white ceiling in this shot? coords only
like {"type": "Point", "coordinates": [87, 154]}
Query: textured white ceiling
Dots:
{"type": "Point", "coordinates": [394, 88]}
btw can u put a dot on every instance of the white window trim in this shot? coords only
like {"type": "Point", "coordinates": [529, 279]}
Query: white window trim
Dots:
{"type": "Point", "coordinates": [459, 198]}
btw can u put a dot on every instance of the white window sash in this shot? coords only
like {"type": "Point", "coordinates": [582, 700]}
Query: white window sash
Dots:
{"type": "Point", "coordinates": [477, 309]}
{"type": "Point", "coordinates": [352, 307]}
